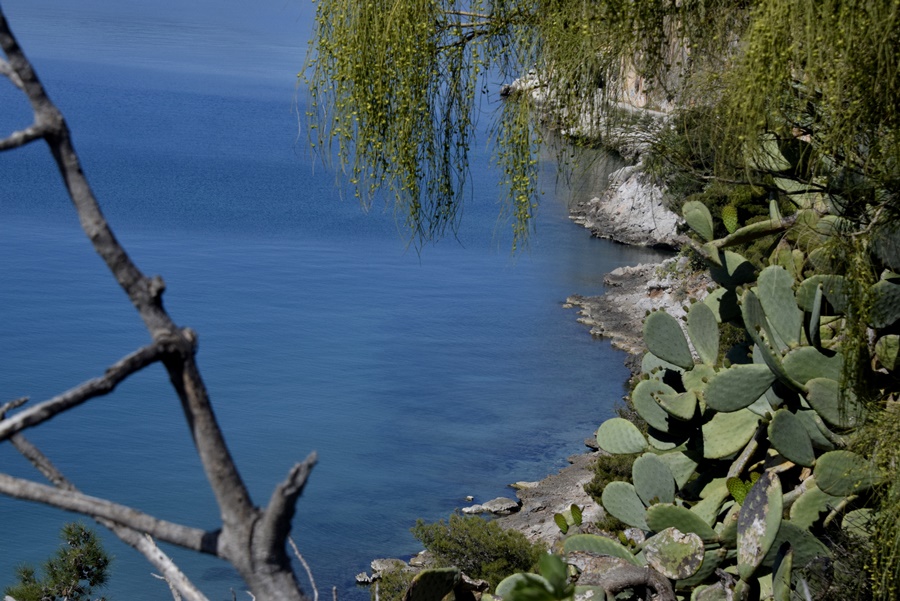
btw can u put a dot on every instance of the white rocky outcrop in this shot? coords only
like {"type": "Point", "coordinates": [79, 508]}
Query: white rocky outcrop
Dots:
{"type": "Point", "coordinates": [631, 210]}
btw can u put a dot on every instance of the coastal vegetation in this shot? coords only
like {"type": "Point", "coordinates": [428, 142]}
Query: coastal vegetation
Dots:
{"type": "Point", "coordinates": [79, 566]}
{"type": "Point", "coordinates": [774, 126]}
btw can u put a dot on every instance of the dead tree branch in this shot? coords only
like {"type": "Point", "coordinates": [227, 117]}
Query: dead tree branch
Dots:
{"type": "Point", "coordinates": [258, 553]}
{"type": "Point", "coordinates": [42, 412]}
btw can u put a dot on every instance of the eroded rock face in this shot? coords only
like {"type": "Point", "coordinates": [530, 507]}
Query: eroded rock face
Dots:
{"type": "Point", "coordinates": [631, 211]}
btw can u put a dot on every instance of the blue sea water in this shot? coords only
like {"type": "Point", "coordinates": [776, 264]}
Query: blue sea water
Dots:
{"type": "Point", "coordinates": [418, 378]}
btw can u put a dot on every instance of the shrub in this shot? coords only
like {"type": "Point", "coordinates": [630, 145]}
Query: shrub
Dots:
{"type": "Point", "coordinates": [79, 566]}
{"type": "Point", "coordinates": [392, 585]}
{"type": "Point", "coordinates": [480, 548]}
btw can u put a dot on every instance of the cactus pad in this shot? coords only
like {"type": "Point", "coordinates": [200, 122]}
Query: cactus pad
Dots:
{"type": "Point", "coordinates": [724, 304]}
{"type": "Point", "coordinates": [758, 523]}
{"type": "Point", "coordinates": [620, 437]}
{"type": "Point", "coordinates": [728, 433]}
{"type": "Point", "coordinates": [732, 271]}
{"type": "Point", "coordinates": [832, 287]}
{"type": "Point", "coordinates": [842, 473]}
{"type": "Point", "coordinates": [704, 332]}
{"type": "Point", "coordinates": [643, 398]}
{"type": "Point", "coordinates": [674, 554]}
{"type": "Point", "coordinates": [885, 303]}
{"type": "Point", "coordinates": [809, 506]}
{"type": "Point", "coordinates": [788, 435]}
{"type": "Point", "coordinates": [738, 387]}
{"type": "Point", "coordinates": [598, 545]}
{"type": "Point", "coordinates": [432, 584]}
{"type": "Point", "coordinates": [681, 466]}
{"type": "Point", "coordinates": [824, 395]}
{"type": "Point", "coordinates": [653, 480]}
{"type": "Point", "coordinates": [662, 516]}
{"type": "Point", "coordinates": [680, 406]}
{"type": "Point", "coordinates": [887, 349]}
{"type": "Point", "coordinates": [776, 295]}
{"type": "Point", "coordinates": [622, 502]}
{"type": "Point", "coordinates": [698, 218]}
{"type": "Point", "coordinates": [665, 339]}
{"type": "Point", "coordinates": [805, 363]}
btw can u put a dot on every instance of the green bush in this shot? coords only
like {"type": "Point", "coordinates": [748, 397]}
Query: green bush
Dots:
{"type": "Point", "coordinates": [392, 585]}
{"type": "Point", "coordinates": [481, 549]}
{"type": "Point", "coordinates": [79, 566]}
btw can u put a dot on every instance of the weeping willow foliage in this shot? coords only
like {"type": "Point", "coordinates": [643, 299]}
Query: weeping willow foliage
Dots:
{"type": "Point", "coordinates": [395, 85]}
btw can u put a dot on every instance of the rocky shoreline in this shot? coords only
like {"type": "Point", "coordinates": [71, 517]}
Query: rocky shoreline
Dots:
{"type": "Point", "coordinates": [630, 211]}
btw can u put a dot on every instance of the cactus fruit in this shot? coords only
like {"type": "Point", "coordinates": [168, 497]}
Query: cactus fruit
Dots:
{"type": "Point", "coordinates": [730, 218]}
{"type": "Point", "coordinates": [598, 545]}
{"type": "Point", "coordinates": [665, 339]}
{"type": "Point", "coordinates": [674, 554]}
{"type": "Point", "coordinates": [622, 502]}
{"type": "Point", "coordinates": [653, 480]}
{"type": "Point", "coordinates": [620, 437]}
{"type": "Point", "coordinates": [698, 218]}
{"type": "Point", "coordinates": [738, 387]}
{"type": "Point", "coordinates": [665, 515]}
{"type": "Point", "coordinates": [758, 523]}
{"type": "Point", "coordinates": [788, 435]}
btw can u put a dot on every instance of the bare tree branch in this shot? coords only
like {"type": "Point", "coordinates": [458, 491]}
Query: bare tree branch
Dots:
{"type": "Point", "coordinates": [105, 384]}
{"type": "Point", "coordinates": [71, 500]}
{"type": "Point", "coordinates": [309, 574]}
{"type": "Point", "coordinates": [257, 555]}
{"type": "Point", "coordinates": [8, 72]}
{"type": "Point", "coordinates": [276, 520]}
{"type": "Point", "coordinates": [142, 542]}
{"type": "Point", "coordinates": [22, 137]}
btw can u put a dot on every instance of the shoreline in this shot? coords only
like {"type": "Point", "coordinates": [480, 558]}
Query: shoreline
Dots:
{"type": "Point", "coordinates": [620, 214]}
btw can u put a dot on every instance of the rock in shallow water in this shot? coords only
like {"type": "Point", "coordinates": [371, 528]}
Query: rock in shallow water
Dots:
{"type": "Point", "coordinates": [498, 506]}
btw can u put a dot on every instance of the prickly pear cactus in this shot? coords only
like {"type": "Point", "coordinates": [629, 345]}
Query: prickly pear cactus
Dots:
{"type": "Point", "coordinates": [746, 454]}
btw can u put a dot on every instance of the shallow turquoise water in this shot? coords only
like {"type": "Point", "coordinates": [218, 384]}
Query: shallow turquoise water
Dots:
{"type": "Point", "coordinates": [418, 378]}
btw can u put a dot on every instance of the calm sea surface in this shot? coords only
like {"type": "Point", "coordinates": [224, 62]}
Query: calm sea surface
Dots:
{"type": "Point", "coordinates": [419, 379]}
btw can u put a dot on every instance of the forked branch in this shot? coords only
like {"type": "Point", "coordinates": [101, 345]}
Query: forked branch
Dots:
{"type": "Point", "coordinates": [258, 554]}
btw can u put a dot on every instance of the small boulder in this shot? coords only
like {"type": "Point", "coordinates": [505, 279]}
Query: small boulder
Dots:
{"type": "Point", "coordinates": [498, 506]}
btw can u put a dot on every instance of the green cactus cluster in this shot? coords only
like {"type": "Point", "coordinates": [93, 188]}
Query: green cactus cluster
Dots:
{"type": "Point", "coordinates": [748, 456]}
